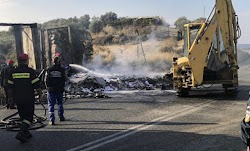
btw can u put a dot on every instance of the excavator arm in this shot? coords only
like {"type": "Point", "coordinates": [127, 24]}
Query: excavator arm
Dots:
{"type": "Point", "coordinates": [211, 56]}
{"type": "Point", "coordinates": [199, 50]}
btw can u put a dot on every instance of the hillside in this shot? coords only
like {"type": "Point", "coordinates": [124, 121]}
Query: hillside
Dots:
{"type": "Point", "coordinates": [151, 51]}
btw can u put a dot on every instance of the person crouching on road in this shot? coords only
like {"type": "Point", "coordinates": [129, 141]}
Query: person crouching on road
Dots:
{"type": "Point", "coordinates": [55, 81]}
{"type": "Point", "coordinates": [4, 83]}
{"type": "Point", "coordinates": [22, 84]}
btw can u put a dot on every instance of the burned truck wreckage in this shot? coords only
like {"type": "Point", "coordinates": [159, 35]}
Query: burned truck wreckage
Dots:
{"type": "Point", "coordinates": [84, 83]}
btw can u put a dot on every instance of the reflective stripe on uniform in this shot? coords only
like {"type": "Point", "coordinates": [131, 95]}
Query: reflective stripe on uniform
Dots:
{"type": "Point", "coordinates": [35, 80]}
{"type": "Point", "coordinates": [21, 75]}
{"type": "Point", "coordinates": [10, 82]}
{"type": "Point", "coordinates": [27, 122]}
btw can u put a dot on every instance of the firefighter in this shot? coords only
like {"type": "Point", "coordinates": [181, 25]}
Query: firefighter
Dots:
{"type": "Point", "coordinates": [23, 83]}
{"type": "Point", "coordinates": [245, 126]}
{"type": "Point", "coordinates": [55, 81]}
{"type": "Point", "coordinates": [4, 82]}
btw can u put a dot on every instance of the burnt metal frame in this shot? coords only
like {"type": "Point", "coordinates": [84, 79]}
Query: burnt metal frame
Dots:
{"type": "Point", "coordinates": [18, 38]}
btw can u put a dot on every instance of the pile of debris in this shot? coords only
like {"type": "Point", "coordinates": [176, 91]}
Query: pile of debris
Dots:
{"type": "Point", "coordinates": [85, 83]}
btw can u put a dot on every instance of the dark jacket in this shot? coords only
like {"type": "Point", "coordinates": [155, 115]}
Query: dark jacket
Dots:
{"type": "Point", "coordinates": [5, 75]}
{"type": "Point", "coordinates": [22, 80]}
{"type": "Point", "coordinates": [55, 78]}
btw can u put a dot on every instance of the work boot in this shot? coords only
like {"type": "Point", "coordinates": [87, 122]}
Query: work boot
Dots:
{"type": "Point", "coordinates": [51, 123]}
{"type": "Point", "coordinates": [62, 118]}
{"type": "Point", "coordinates": [27, 135]}
{"type": "Point", "coordinates": [20, 136]}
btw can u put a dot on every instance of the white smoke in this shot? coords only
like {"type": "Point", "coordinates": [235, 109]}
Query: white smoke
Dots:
{"type": "Point", "coordinates": [134, 59]}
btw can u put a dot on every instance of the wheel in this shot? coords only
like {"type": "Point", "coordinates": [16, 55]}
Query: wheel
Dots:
{"type": "Point", "coordinates": [232, 91]}
{"type": "Point", "coordinates": [183, 92]}
{"type": "Point", "coordinates": [229, 89]}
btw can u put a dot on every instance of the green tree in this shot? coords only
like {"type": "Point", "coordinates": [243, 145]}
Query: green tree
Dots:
{"type": "Point", "coordinates": [199, 20]}
{"type": "Point", "coordinates": [82, 22]}
{"type": "Point", "coordinates": [79, 37]}
{"type": "Point", "coordinates": [180, 22]}
{"type": "Point", "coordinates": [7, 46]}
{"type": "Point", "coordinates": [85, 21]}
{"type": "Point", "coordinates": [81, 45]}
{"type": "Point", "coordinates": [55, 23]}
{"type": "Point", "coordinates": [143, 22]}
{"type": "Point", "coordinates": [96, 26]}
{"type": "Point", "coordinates": [108, 18]}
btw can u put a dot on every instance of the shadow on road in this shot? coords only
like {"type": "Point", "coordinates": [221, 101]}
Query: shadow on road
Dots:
{"type": "Point", "coordinates": [241, 94]}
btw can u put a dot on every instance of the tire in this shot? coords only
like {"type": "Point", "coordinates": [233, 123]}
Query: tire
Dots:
{"type": "Point", "coordinates": [182, 92]}
{"type": "Point", "coordinates": [229, 89]}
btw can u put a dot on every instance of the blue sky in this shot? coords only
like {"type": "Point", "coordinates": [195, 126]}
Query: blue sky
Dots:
{"type": "Point", "coordinates": [44, 10]}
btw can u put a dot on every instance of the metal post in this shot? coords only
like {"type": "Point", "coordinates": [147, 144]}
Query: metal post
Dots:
{"type": "Point", "coordinates": [47, 49]}
{"type": "Point", "coordinates": [43, 59]}
{"type": "Point", "coordinates": [37, 52]}
{"type": "Point", "coordinates": [18, 39]}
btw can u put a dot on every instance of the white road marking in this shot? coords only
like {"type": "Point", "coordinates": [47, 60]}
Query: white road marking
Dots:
{"type": "Point", "coordinates": [136, 129]}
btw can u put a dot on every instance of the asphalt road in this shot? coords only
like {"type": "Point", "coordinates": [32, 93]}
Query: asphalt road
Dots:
{"type": "Point", "coordinates": [143, 121]}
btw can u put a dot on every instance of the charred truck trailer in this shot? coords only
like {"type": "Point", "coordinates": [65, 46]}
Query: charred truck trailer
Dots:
{"type": "Point", "coordinates": [27, 41]}
{"type": "Point", "coordinates": [38, 44]}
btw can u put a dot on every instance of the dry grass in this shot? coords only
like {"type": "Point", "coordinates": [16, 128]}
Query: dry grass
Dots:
{"type": "Point", "coordinates": [127, 31]}
{"type": "Point", "coordinates": [156, 49]}
{"type": "Point", "coordinates": [133, 53]}
{"type": "Point", "coordinates": [160, 32]}
{"type": "Point", "coordinates": [104, 53]}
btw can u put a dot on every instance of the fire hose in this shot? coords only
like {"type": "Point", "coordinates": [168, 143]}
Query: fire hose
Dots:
{"type": "Point", "coordinates": [12, 123]}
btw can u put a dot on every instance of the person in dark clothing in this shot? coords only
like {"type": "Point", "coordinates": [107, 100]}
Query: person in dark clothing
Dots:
{"type": "Point", "coordinates": [55, 81]}
{"type": "Point", "coordinates": [245, 126]}
{"type": "Point", "coordinates": [22, 83]}
{"type": "Point", "coordinates": [4, 82]}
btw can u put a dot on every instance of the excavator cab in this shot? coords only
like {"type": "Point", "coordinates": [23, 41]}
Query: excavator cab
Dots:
{"type": "Point", "coordinates": [190, 33]}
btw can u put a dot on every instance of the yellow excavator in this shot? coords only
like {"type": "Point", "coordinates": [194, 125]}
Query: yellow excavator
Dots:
{"type": "Point", "coordinates": [210, 52]}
